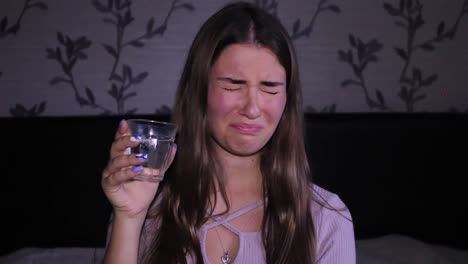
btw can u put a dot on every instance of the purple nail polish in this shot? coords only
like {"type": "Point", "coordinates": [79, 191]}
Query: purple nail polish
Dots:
{"type": "Point", "coordinates": [142, 156]}
{"type": "Point", "coordinates": [137, 169]}
{"type": "Point", "coordinates": [121, 122]}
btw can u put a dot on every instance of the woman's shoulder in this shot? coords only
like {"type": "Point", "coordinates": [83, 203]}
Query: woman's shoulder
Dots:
{"type": "Point", "coordinates": [326, 202]}
{"type": "Point", "coordinates": [333, 227]}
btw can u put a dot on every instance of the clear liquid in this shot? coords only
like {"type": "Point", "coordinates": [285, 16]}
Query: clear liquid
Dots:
{"type": "Point", "coordinates": [159, 152]}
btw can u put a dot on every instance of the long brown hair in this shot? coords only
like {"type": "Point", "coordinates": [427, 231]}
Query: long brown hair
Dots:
{"type": "Point", "coordinates": [287, 228]}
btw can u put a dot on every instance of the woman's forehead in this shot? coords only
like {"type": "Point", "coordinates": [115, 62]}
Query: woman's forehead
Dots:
{"type": "Point", "coordinates": [246, 57]}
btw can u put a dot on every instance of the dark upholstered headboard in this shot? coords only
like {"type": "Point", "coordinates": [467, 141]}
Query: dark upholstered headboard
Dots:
{"type": "Point", "coordinates": [398, 173]}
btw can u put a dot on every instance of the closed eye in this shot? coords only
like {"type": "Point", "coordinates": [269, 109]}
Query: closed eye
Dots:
{"type": "Point", "coordinates": [231, 89]}
{"type": "Point", "coordinates": [271, 92]}
{"type": "Point", "coordinates": [272, 84]}
{"type": "Point", "coordinates": [271, 87]}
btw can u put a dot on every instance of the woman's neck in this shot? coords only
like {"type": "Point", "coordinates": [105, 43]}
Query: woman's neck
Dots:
{"type": "Point", "coordinates": [242, 179]}
{"type": "Point", "coordinates": [241, 173]}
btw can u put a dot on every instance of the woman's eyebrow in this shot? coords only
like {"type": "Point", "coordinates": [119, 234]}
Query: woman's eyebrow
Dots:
{"type": "Point", "coordinates": [231, 80]}
{"type": "Point", "coordinates": [238, 81]}
{"type": "Point", "coordinates": [271, 84]}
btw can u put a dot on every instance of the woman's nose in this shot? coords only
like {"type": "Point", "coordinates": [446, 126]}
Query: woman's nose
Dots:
{"type": "Point", "coordinates": [251, 108]}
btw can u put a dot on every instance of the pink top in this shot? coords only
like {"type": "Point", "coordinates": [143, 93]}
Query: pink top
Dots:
{"type": "Point", "coordinates": [334, 233]}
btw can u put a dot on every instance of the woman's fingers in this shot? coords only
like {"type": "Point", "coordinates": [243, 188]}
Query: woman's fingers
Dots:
{"type": "Point", "coordinates": [124, 161]}
{"type": "Point", "coordinates": [121, 144]}
{"type": "Point", "coordinates": [122, 130]}
{"type": "Point", "coordinates": [121, 138]}
{"type": "Point", "coordinates": [122, 169]}
{"type": "Point", "coordinates": [119, 177]}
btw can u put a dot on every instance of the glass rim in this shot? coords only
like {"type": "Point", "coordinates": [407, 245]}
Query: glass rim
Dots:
{"type": "Point", "coordinates": [152, 121]}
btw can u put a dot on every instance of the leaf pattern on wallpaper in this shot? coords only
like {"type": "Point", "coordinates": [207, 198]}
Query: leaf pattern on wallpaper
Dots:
{"type": "Point", "coordinates": [21, 111]}
{"type": "Point", "coordinates": [323, 6]}
{"type": "Point", "coordinates": [13, 29]}
{"type": "Point", "coordinates": [358, 58]}
{"type": "Point", "coordinates": [7, 29]}
{"type": "Point", "coordinates": [409, 14]}
{"type": "Point", "coordinates": [68, 54]}
{"type": "Point", "coordinates": [119, 14]}
{"type": "Point", "coordinates": [298, 31]}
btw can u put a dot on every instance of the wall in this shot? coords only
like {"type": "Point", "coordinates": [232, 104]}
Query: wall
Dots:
{"type": "Point", "coordinates": [60, 58]}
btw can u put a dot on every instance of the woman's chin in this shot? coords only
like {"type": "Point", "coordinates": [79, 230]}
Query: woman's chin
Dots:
{"type": "Point", "coordinates": [245, 150]}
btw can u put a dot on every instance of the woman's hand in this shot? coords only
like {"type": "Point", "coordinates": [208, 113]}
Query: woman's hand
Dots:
{"type": "Point", "coordinates": [130, 198]}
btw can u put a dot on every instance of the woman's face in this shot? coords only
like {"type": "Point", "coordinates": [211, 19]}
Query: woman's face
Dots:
{"type": "Point", "coordinates": [246, 98]}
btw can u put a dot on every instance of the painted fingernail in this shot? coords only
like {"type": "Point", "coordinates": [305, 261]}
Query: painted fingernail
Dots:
{"type": "Point", "coordinates": [175, 145]}
{"type": "Point", "coordinates": [137, 169]}
{"type": "Point", "coordinates": [134, 139]}
{"type": "Point", "coordinates": [141, 156]}
{"type": "Point", "coordinates": [121, 122]}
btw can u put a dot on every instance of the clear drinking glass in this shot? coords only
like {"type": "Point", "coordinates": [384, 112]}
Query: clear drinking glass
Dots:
{"type": "Point", "coordinates": [156, 140]}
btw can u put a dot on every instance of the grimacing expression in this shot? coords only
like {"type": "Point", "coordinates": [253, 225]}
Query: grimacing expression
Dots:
{"type": "Point", "coordinates": [246, 98]}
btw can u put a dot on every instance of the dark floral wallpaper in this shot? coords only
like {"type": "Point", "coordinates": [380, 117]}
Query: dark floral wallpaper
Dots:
{"type": "Point", "coordinates": [108, 57]}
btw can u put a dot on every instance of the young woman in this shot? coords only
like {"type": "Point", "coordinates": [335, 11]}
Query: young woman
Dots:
{"type": "Point", "coordinates": [239, 188]}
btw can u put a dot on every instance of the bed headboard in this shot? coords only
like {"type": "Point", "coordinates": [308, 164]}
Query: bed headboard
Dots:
{"type": "Point", "coordinates": [398, 173]}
